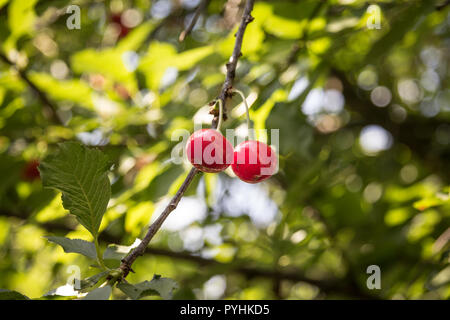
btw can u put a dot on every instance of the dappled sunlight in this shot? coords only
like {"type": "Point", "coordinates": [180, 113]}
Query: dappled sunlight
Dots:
{"type": "Point", "coordinates": [374, 139]}
{"type": "Point", "coordinates": [97, 105]}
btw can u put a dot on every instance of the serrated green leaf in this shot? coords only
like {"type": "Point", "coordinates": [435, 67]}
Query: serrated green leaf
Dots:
{"type": "Point", "coordinates": [81, 174]}
{"type": "Point", "coordinates": [11, 295]}
{"type": "Point", "coordinates": [157, 286]}
{"type": "Point", "coordinates": [102, 293]}
{"type": "Point", "coordinates": [83, 247]}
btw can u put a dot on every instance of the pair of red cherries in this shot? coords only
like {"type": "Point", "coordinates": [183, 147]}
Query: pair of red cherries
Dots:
{"type": "Point", "coordinates": [252, 161]}
{"type": "Point", "coordinates": [209, 151]}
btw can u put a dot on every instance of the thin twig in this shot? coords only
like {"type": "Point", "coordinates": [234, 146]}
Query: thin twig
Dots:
{"type": "Point", "coordinates": [50, 108]}
{"type": "Point", "coordinates": [128, 261]}
{"type": "Point", "coordinates": [226, 91]}
{"type": "Point", "coordinates": [442, 5]}
{"type": "Point", "coordinates": [201, 7]}
{"type": "Point", "coordinates": [246, 267]}
{"type": "Point", "coordinates": [171, 18]}
{"type": "Point", "coordinates": [155, 226]}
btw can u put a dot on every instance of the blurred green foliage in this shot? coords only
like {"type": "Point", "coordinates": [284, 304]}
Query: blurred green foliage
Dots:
{"type": "Point", "coordinates": [364, 123]}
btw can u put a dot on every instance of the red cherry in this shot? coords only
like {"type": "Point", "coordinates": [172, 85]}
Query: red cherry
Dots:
{"type": "Point", "coordinates": [254, 161]}
{"type": "Point", "coordinates": [30, 171]}
{"type": "Point", "coordinates": [209, 151]}
{"type": "Point", "coordinates": [116, 18]}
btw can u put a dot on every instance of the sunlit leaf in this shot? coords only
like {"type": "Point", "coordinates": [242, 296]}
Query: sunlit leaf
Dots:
{"type": "Point", "coordinates": [3, 2]}
{"type": "Point", "coordinates": [138, 216]}
{"type": "Point", "coordinates": [93, 61]}
{"type": "Point", "coordinates": [92, 281]}
{"type": "Point", "coordinates": [64, 90]}
{"type": "Point", "coordinates": [80, 174]}
{"type": "Point", "coordinates": [397, 216]}
{"type": "Point", "coordinates": [54, 210]}
{"type": "Point", "coordinates": [136, 37]}
{"type": "Point", "coordinates": [11, 295]}
{"type": "Point", "coordinates": [102, 293]}
{"type": "Point", "coordinates": [83, 247]}
{"type": "Point", "coordinates": [163, 287]}
{"type": "Point", "coordinates": [21, 17]}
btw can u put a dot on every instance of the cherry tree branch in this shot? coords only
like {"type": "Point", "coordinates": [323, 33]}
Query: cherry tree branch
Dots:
{"type": "Point", "coordinates": [155, 226]}
{"type": "Point", "coordinates": [246, 268]}
{"type": "Point", "coordinates": [128, 261]}
{"type": "Point", "coordinates": [227, 86]}
{"type": "Point", "coordinates": [442, 5]}
{"type": "Point", "coordinates": [201, 7]}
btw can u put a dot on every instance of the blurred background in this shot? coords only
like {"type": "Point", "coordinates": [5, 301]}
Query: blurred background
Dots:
{"type": "Point", "coordinates": [359, 91]}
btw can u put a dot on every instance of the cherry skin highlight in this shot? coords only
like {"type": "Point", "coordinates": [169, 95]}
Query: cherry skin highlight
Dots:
{"type": "Point", "coordinates": [209, 151]}
{"type": "Point", "coordinates": [254, 161]}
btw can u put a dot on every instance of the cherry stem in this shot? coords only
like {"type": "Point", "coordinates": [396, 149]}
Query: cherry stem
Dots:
{"type": "Point", "coordinates": [249, 126]}
{"type": "Point", "coordinates": [219, 122]}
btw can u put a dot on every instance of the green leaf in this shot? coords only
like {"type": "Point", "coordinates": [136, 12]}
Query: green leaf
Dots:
{"type": "Point", "coordinates": [83, 247]}
{"type": "Point", "coordinates": [94, 61]}
{"type": "Point", "coordinates": [64, 90]}
{"type": "Point", "coordinates": [138, 217]}
{"type": "Point", "coordinates": [21, 17]}
{"type": "Point", "coordinates": [433, 201]}
{"type": "Point", "coordinates": [136, 37]}
{"type": "Point", "coordinates": [284, 20]}
{"type": "Point", "coordinates": [81, 174]}
{"type": "Point", "coordinates": [161, 56]}
{"type": "Point", "coordinates": [11, 295]}
{"type": "Point", "coordinates": [260, 116]}
{"type": "Point", "coordinates": [397, 216]}
{"type": "Point", "coordinates": [158, 286]}
{"type": "Point", "coordinates": [102, 293]}
{"type": "Point", "coordinates": [3, 2]}
{"type": "Point", "coordinates": [92, 281]}
{"type": "Point", "coordinates": [252, 42]}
